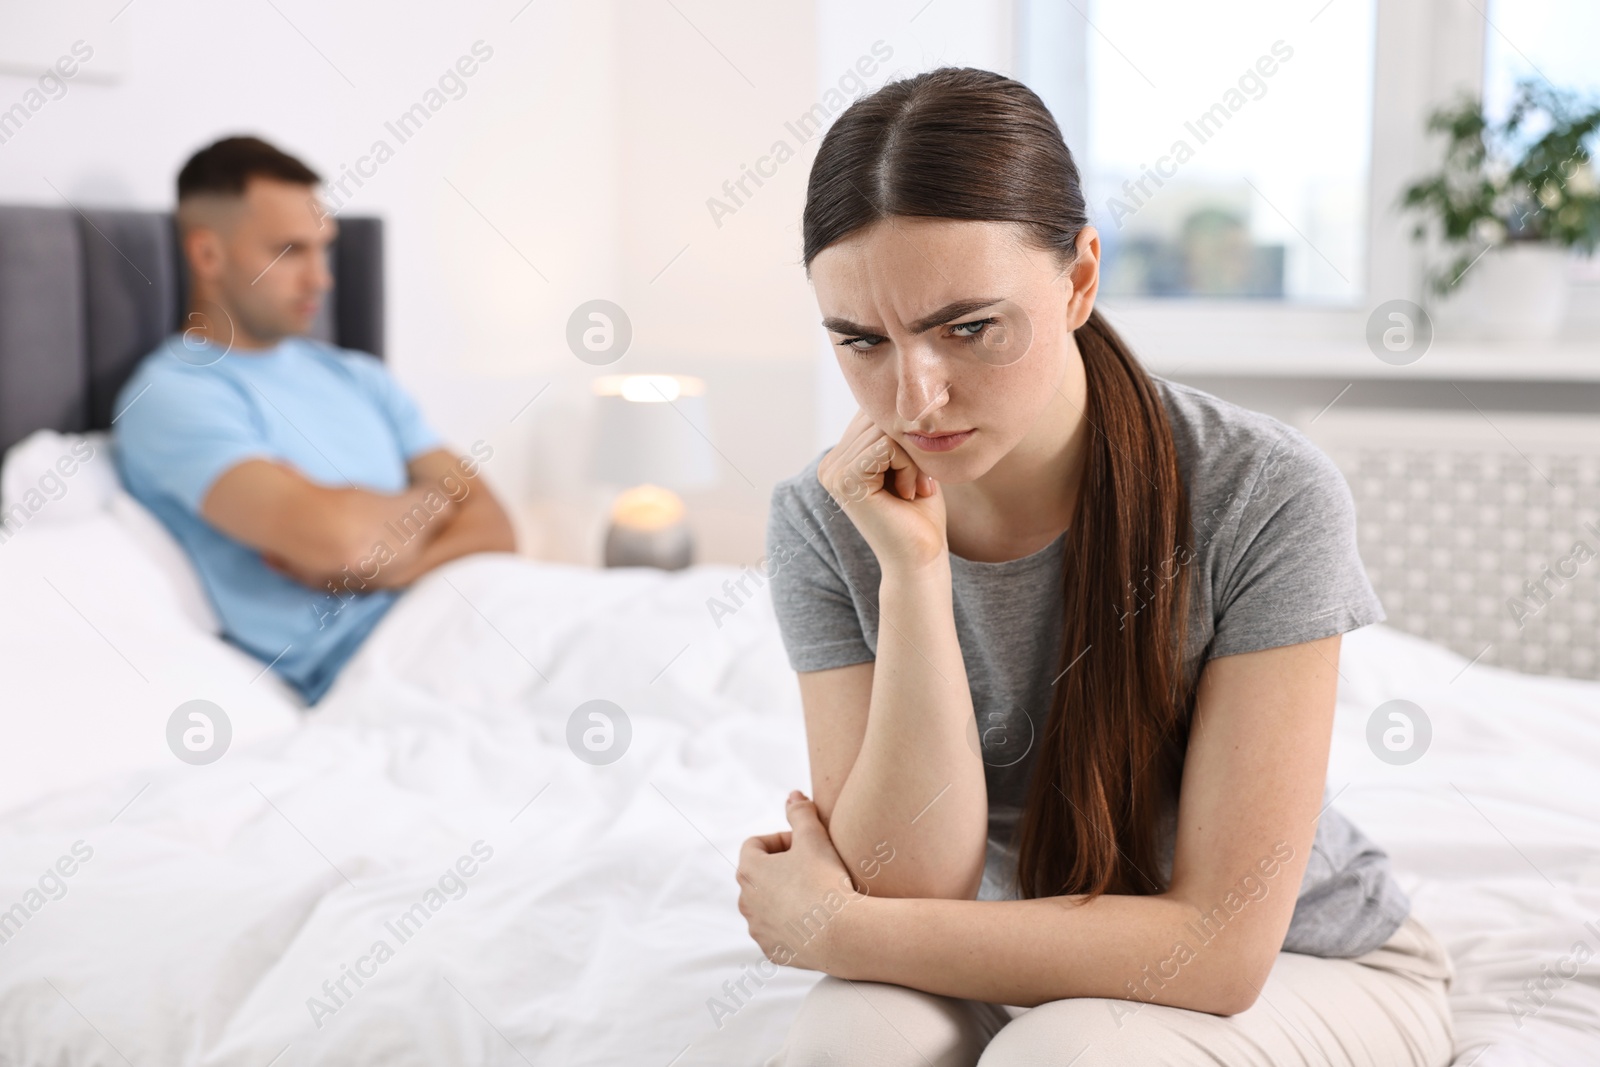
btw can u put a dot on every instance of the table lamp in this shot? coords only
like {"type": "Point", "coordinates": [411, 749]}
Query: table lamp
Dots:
{"type": "Point", "coordinates": [649, 438]}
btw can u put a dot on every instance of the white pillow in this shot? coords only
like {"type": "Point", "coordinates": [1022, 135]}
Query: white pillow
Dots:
{"type": "Point", "coordinates": [107, 621]}
{"type": "Point", "coordinates": [53, 476]}
{"type": "Point", "coordinates": [169, 557]}
{"type": "Point", "coordinates": [50, 478]}
{"type": "Point", "coordinates": [100, 655]}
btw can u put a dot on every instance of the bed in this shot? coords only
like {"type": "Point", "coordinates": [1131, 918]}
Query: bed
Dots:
{"type": "Point", "coordinates": [539, 904]}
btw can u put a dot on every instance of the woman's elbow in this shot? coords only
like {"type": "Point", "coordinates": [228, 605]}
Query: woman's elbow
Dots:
{"type": "Point", "coordinates": [1239, 991]}
{"type": "Point", "coordinates": [888, 868]}
{"type": "Point", "coordinates": [1234, 1002]}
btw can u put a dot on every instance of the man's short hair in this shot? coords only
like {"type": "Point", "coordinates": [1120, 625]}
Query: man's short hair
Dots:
{"type": "Point", "coordinates": [224, 168]}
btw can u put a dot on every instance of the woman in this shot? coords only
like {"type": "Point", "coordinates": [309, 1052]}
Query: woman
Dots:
{"type": "Point", "coordinates": [1067, 636]}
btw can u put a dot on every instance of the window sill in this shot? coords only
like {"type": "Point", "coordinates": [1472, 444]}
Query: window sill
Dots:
{"type": "Point", "coordinates": [1241, 339]}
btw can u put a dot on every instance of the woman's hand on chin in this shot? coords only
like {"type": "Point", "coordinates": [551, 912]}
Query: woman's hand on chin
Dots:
{"type": "Point", "coordinates": [898, 509]}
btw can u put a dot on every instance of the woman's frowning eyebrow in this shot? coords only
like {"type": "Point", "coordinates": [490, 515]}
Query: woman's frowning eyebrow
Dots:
{"type": "Point", "coordinates": [922, 325]}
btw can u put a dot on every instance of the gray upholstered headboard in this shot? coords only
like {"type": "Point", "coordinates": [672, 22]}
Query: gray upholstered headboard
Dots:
{"type": "Point", "coordinates": [84, 295]}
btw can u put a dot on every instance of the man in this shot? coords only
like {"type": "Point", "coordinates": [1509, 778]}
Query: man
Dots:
{"type": "Point", "coordinates": [302, 480]}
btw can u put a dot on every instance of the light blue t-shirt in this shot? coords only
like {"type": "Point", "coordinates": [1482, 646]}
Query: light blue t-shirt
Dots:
{"type": "Point", "coordinates": [189, 413]}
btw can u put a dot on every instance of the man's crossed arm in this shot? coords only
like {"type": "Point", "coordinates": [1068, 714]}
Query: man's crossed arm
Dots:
{"type": "Point", "coordinates": [320, 534]}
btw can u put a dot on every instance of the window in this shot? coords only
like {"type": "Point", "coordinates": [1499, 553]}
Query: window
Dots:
{"type": "Point", "coordinates": [1227, 154]}
{"type": "Point", "coordinates": [1553, 40]}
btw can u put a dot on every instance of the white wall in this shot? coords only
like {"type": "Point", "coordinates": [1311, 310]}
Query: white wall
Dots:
{"type": "Point", "coordinates": [577, 165]}
{"type": "Point", "coordinates": [584, 172]}
{"type": "Point", "coordinates": [532, 143]}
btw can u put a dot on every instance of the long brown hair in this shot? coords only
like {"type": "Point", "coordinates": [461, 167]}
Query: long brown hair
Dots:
{"type": "Point", "coordinates": [959, 143]}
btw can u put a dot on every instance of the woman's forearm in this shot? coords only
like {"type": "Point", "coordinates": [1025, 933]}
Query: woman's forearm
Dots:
{"type": "Point", "coordinates": [917, 784]}
{"type": "Point", "coordinates": [1151, 949]}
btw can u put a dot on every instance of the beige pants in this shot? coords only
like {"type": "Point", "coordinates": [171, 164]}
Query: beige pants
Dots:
{"type": "Point", "coordinates": [1388, 1008]}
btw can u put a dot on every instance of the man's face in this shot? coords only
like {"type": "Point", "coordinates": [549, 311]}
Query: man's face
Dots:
{"type": "Point", "coordinates": [262, 259]}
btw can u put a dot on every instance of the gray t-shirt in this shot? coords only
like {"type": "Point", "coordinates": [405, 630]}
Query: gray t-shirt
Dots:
{"type": "Point", "coordinates": [1273, 526]}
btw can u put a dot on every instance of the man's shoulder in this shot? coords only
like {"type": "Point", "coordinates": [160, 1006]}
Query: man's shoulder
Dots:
{"type": "Point", "coordinates": [352, 359]}
{"type": "Point", "coordinates": [363, 370]}
{"type": "Point", "coordinates": [175, 368]}
{"type": "Point", "coordinates": [176, 355]}
{"type": "Point", "coordinates": [180, 372]}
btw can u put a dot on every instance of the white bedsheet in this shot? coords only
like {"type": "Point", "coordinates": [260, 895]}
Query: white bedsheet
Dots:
{"type": "Point", "coordinates": [222, 897]}
{"type": "Point", "coordinates": [98, 646]}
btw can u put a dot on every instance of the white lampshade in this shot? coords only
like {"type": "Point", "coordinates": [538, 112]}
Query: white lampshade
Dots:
{"type": "Point", "coordinates": [650, 429]}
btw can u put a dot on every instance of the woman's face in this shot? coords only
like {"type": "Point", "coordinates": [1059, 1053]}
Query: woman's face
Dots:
{"type": "Point", "coordinates": [953, 329]}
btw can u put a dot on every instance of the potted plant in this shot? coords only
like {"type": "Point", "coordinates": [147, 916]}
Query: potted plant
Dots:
{"type": "Point", "coordinates": [1511, 202]}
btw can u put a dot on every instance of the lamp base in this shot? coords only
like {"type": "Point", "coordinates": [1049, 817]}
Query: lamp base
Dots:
{"type": "Point", "coordinates": [670, 548]}
{"type": "Point", "coordinates": [649, 529]}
